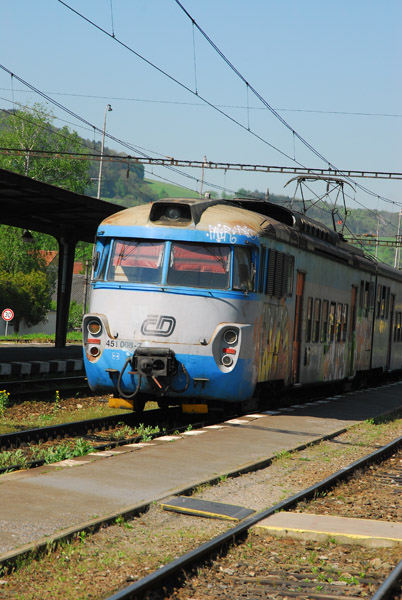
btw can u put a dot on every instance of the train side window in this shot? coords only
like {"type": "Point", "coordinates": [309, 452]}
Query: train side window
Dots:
{"type": "Point", "coordinates": [388, 295]}
{"type": "Point", "coordinates": [324, 326]}
{"type": "Point", "coordinates": [378, 301]}
{"type": "Point", "coordinates": [339, 312]}
{"type": "Point", "coordinates": [383, 301]}
{"type": "Point", "coordinates": [345, 318]}
{"type": "Point", "coordinates": [362, 303]}
{"type": "Point", "coordinates": [309, 319]}
{"type": "Point", "coordinates": [261, 270]}
{"type": "Point", "coordinates": [398, 333]}
{"type": "Point", "coordinates": [397, 326]}
{"type": "Point", "coordinates": [371, 302]}
{"type": "Point", "coordinates": [331, 321]}
{"type": "Point", "coordinates": [316, 320]}
{"type": "Point", "coordinates": [366, 297]}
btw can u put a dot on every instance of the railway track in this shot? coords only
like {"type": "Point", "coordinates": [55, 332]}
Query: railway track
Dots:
{"type": "Point", "coordinates": [233, 577]}
{"type": "Point", "coordinates": [103, 433]}
{"type": "Point", "coordinates": [21, 389]}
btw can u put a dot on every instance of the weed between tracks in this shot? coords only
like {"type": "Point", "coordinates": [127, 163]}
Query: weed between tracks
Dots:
{"type": "Point", "coordinates": [37, 414]}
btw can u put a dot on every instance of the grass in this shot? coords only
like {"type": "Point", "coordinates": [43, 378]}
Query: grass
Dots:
{"type": "Point", "coordinates": [168, 190]}
{"type": "Point", "coordinates": [57, 416]}
{"type": "Point", "coordinates": [40, 338]}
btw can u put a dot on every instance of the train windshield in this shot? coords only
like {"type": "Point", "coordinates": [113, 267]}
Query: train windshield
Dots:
{"type": "Point", "coordinates": [136, 261]}
{"type": "Point", "coordinates": [199, 265]}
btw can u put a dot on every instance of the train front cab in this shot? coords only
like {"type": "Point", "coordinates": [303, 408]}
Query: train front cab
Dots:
{"type": "Point", "coordinates": [216, 362]}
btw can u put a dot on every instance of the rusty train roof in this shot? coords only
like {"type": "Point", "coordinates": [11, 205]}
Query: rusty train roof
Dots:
{"type": "Point", "coordinates": [263, 217]}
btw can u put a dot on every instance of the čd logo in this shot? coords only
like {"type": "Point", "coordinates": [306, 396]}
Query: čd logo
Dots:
{"type": "Point", "coordinates": [159, 325]}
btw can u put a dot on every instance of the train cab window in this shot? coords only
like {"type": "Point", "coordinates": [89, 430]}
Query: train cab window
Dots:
{"type": "Point", "coordinates": [243, 269]}
{"type": "Point", "coordinates": [324, 321]}
{"type": "Point", "coordinates": [316, 320]}
{"type": "Point", "coordinates": [136, 261]}
{"type": "Point", "coordinates": [199, 265]}
{"type": "Point", "coordinates": [99, 261]}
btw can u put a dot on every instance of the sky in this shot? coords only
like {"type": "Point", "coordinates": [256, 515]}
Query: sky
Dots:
{"type": "Point", "coordinates": [330, 70]}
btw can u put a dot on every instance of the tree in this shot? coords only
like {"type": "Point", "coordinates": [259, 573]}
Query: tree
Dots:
{"type": "Point", "coordinates": [27, 294]}
{"type": "Point", "coordinates": [31, 129]}
{"type": "Point", "coordinates": [25, 284]}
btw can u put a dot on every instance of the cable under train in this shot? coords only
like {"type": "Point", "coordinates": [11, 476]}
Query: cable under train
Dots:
{"type": "Point", "coordinates": [203, 302]}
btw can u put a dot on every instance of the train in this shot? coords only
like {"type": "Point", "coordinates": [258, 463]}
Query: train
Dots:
{"type": "Point", "coordinates": [210, 303]}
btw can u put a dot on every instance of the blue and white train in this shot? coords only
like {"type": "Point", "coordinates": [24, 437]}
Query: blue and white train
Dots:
{"type": "Point", "coordinates": [201, 302]}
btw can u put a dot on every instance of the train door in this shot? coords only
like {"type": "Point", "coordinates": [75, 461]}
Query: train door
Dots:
{"type": "Point", "coordinates": [352, 332]}
{"type": "Point", "coordinates": [391, 327]}
{"type": "Point", "coordinates": [297, 326]}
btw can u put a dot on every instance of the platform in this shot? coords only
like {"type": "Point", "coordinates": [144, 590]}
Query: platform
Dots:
{"type": "Point", "coordinates": [54, 501]}
{"type": "Point", "coordinates": [344, 530]}
{"type": "Point", "coordinates": [19, 361]}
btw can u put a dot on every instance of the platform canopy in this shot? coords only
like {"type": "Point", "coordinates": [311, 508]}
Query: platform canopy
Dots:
{"type": "Point", "coordinates": [30, 204]}
{"type": "Point", "coordinates": [67, 216]}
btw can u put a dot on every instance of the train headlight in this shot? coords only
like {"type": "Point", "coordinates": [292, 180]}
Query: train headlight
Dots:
{"type": "Point", "coordinates": [173, 213]}
{"type": "Point", "coordinates": [94, 351]}
{"type": "Point", "coordinates": [230, 336]}
{"type": "Point", "coordinates": [94, 327]}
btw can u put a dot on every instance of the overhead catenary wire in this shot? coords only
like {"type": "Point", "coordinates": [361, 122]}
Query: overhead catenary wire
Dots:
{"type": "Point", "coordinates": [99, 130]}
{"type": "Point", "coordinates": [163, 161]}
{"type": "Point", "coordinates": [266, 104]}
{"type": "Point", "coordinates": [213, 106]}
{"type": "Point", "coordinates": [201, 104]}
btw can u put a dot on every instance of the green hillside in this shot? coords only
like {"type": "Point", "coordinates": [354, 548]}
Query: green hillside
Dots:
{"type": "Point", "coordinates": [163, 189]}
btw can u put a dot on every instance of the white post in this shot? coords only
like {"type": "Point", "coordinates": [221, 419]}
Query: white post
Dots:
{"type": "Point", "coordinates": [398, 240]}
{"type": "Point", "coordinates": [108, 108]}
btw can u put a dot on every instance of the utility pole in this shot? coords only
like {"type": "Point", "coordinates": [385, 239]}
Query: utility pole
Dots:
{"type": "Point", "coordinates": [107, 109]}
{"type": "Point", "coordinates": [398, 241]}
{"type": "Point", "coordinates": [202, 175]}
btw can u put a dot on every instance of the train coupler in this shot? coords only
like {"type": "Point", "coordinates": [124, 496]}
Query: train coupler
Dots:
{"type": "Point", "coordinates": [154, 362]}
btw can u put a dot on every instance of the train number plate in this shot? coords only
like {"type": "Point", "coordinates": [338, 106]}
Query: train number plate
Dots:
{"type": "Point", "coordinates": [121, 344]}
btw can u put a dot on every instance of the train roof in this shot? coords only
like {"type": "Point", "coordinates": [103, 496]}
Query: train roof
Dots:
{"type": "Point", "coordinates": [201, 213]}
{"type": "Point", "coordinates": [261, 217]}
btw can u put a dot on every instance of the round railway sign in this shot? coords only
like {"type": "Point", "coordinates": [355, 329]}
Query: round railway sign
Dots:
{"type": "Point", "coordinates": [7, 314]}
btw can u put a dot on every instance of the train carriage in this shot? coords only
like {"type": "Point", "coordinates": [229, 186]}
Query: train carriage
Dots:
{"type": "Point", "coordinates": [220, 302]}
